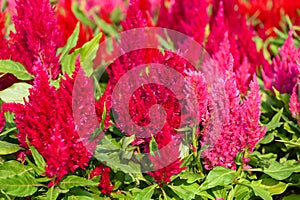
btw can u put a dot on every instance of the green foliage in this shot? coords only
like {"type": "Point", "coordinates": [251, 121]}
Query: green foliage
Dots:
{"type": "Point", "coordinates": [15, 68]}
{"type": "Point", "coordinates": [15, 93]}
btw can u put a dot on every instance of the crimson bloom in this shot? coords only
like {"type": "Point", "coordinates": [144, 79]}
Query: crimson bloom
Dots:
{"type": "Point", "coordinates": [2, 121]}
{"type": "Point", "coordinates": [263, 9]}
{"type": "Point", "coordinates": [295, 103]}
{"type": "Point", "coordinates": [36, 40]}
{"type": "Point", "coordinates": [67, 22]}
{"type": "Point", "coordinates": [105, 186]}
{"type": "Point", "coordinates": [285, 70]}
{"type": "Point", "coordinates": [46, 120]}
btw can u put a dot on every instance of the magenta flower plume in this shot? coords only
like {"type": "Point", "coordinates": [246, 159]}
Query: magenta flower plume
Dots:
{"type": "Point", "coordinates": [252, 132]}
{"type": "Point", "coordinates": [240, 129]}
{"type": "Point", "coordinates": [138, 15]}
{"type": "Point", "coordinates": [169, 155]}
{"type": "Point", "coordinates": [36, 38]}
{"type": "Point", "coordinates": [46, 120]}
{"type": "Point", "coordinates": [2, 121]}
{"type": "Point", "coordinates": [227, 20]}
{"type": "Point", "coordinates": [295, 103]}
{"type": "Point", "coordinates": [179, 16]}
{"type": "Point", "coordinates": [105, 185]}
{"type": "Point", "coordinates": [285, 68]}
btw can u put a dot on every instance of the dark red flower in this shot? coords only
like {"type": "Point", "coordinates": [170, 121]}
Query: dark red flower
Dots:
{"type": "Point", "coordinates": [285, 70]}
{"type": "Point", "coordinates": [2, 121]}
{"type": "Point", "coordinates": [263, 9]}
{"type": "Point", "coordinates": [105, 185]}
{"type": "Point", "coordinates": [67, 22]}
{"type": "Point", "coordinates": [186, 16]}
{"type": "Point", "coordinates": [46, 120]}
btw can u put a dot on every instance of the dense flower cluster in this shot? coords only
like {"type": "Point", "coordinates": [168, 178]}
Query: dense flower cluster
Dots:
{"type": "Point", "coordinates": [226, 19]}
{"type": "Point", "coordinates": [61, 134]}
{"type": "Point", "coordinates": [285, 70]}
{"type": "Point", "coordinates": [2, 121]}
{"type": "Point", "coordinates": [295, 103]}
{"type": "Point", "coordinates": [104, 185]}
{"type": "Point", "coordinates": [67, 22]}
{"type": "Point", "coordinates": [240, 130]}
{"type": "Point", "coordinates": [235, 119]}
{"type": "Point", "coordinates": [36, 40]}
{"type": "Point", "coordinates": [263, 9]}
{"type": "Point", "coordinates": [46, 120]}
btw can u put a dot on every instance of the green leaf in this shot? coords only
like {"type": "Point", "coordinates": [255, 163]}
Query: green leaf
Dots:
{"type": "Point", "coordinates": [292, 197]}
{"type": "Point", "coordinates": [153, 147]}
{"type": "Point", "coordinates": [218, 176]}
{"type": "Point", "coordinates": [273, 186]}
{"type": "Point", "coordinates": [106, 27]}
{"type": "Point", "coordinates": [75, 181]}
{"type": "Point", "coordinates": [14, 168]}
{"type": "Point", "coordinates": [21, 185]}
{"type": "Point", "coordinates": [183, 191]}
{"type": "Point", "coordinates": [7, 148]}
{"type": "Point", "coordinates": [88, 53]}
{"type": "Point", "coordinates": [38, 159]}
{"type": "Point", "coordinates": [52, 193]}
{"type": "Point", "coordinates": [146, 193]}
{"type": "Point", "coordinates": [242, 192]}
{"type": "Point", "coordinates": [268, 138]}
{"type": "Point", "coordinates": [15, 93]}
{"type": "Point", "coordinates": [281, 171]}
{"type": "Point", "coordinates": [80, 15]}
{"type": "Point", "coordinates": [71, 43]}
{"type": "Point", "coordinates": [191, 176]}
{"type": "Point", "coordinates": [15, 68]}
{"type": "Point", "coordinates": [68, 64]}
{"type": "Point", "coordinates": [259, 191]}
{"type": "Point", "coordinates": [275, 122]}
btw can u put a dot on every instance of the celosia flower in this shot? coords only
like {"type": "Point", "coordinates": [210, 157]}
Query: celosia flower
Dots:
{"type": "Point", "coordinates": [166, 162]}
{"type": "Point", "coordinates": [295, 103]}
{"type": "Point", "coordinates": [67, 22]}
{"type": "Point", "coordinates": [105, 186]}
{"type": "Point", "coordinates": [285, 68]}
{"type": "Point", "coordinates": [240, 129]}
{"type": "Point", "coordinates": [105, 8]}
{"type": "Point", "coordinates": [138, 15]}
{"type": "Point", "coordinates": [46, 120]}
{"type": "Point", "coordinates": [2, 121]}
{"type": "Point", "coordinates": [179, 16]}
{"type": "Point", "coordinates": [226, 19]}
{"type": "Point", "coordinates": [252, 132]}
{"type": "Point", "coordinates": [2, 24]}
{"type": "Point", "coordinates": [263, 9]}
{"type": "Point", "coordinates": [36, 38]}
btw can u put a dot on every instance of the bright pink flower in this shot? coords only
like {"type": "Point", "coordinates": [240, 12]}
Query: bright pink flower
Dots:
{"type": "Point", "coordinates": [2, 121]}
{"type": "Point", "coordinates": [239, 121]}
{"type": "Point", "coordinates": [186, 16]}
{"type": "Point", "coordinates": [67, 22]}
{"type": "Point", "coordinates": [295, 103]}
{"type": "Point", "coordinates": [167, 163]}
{"type": "Point", "coordinates": [36, 38]}
{"type": "Point", "coordinates": [138, 15]}
{"type": "Point", "coordinates": [252, 132]}
{"type": "Point", "coordinates": [263, 9]}
{"type": "Point", "coordinates": [227, 22]}
{"type": "Point", "coordinates": [2, 24]}
{"type": "Point", "coordinates": [105, 184]}
{"type": "Point", "coordinates": [46, 120]}
{"type": "Point", "coordinates": [285, 68]}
